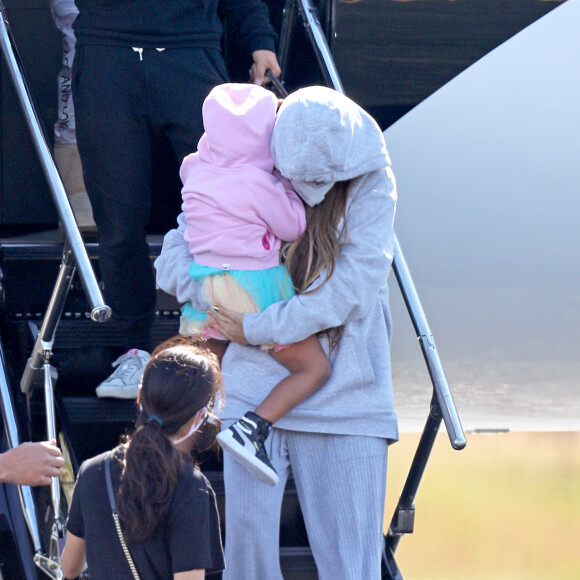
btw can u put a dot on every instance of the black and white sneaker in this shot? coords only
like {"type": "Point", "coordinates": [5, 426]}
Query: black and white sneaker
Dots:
{"type": "Point", "coordinates": [245, 441]}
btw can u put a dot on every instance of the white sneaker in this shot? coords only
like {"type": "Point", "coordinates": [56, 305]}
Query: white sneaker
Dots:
{"type": "Point", "coordinates": [124, 382]}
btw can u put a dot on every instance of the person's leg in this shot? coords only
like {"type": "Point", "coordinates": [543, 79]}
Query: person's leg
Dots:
{"type": "Point", "coordinates": [114, 142]}
{"type": "Point", "coordinates": [184, 78]}
{"type": "Point", "coordinates": [341, 484]}
{"type": "Point", "coordinates": [64, 12]}
{"type": "Point", "coordinates": [66, 154]}
{"type": "Point", "coordinates": [217, 347]}
{"type": "Point", "coordinates": [309, 370]}
{"type": "Point", "coordinates": [253, 517]}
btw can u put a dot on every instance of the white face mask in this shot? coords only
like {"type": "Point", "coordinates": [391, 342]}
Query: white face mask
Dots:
{"type": "Point", "coordinates": [194, 427]}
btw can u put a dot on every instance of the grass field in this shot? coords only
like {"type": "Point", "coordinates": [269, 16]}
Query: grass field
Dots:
{"type": "Point", "coordinates": [507, 507]}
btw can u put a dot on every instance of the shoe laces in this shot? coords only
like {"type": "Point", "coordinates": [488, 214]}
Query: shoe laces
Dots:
{"type": "Point", "coordinates": [126, 365]}
{"type": "Point", "coordinates": [258, 429]}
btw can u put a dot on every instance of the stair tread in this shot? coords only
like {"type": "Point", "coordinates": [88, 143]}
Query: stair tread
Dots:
{"type": "Point", "coordinates": [49, 244]}
{"type": "Point", "coordinates": [79, 351]}
{"type": "Point", "coordinates": [95, 410]}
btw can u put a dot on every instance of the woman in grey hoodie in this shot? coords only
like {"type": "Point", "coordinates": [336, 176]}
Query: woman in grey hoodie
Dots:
{"type": "Point", "coordinates": [336, 441]}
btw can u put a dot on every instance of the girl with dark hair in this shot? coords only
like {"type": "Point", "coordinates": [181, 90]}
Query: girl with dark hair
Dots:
{"type": "Point", "coordinates": [166, 507]}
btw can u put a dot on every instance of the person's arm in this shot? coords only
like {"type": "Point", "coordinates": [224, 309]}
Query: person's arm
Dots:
{"type": "Point", "coordinates": [250, 21]}
{"type": "Point", "coordinates": [281, 209]}
{"type": "Point", "coordinates": [31, 463]}
{"type": "Point", "coordinates": [190, 575]}
{"type": "Point", "coordinates": [172, 268]}
{"type": "Point", "coordinates": [360, 272]}
{"type": "Point", "coordinates": [73, 559]}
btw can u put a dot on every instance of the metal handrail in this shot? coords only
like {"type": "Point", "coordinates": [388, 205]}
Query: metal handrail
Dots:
{"type": "Point", "coordinates": [308, 13]}
{"type": "Point", "coordinates": [100, 312]}
{"type": "Point", "coordinates": [442, 405]}
{"type": "Point", "coordinates": [10, 426]}
{"type": "Point", "coordinates": [427, 342]}
{"type": "Point", "coordinates": [38, 366]}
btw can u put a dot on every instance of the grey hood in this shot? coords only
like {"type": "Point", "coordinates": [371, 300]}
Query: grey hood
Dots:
{"type": "Point", "coordinates": [320, 137]}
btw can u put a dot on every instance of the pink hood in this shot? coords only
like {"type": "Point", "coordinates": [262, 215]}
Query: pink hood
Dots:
{"type": "Point", "coordinates": [238, 121]}
{"type": "Point", "coordinates": [237, 207]}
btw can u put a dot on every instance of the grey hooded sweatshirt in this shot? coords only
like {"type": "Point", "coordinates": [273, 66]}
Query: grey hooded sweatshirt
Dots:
{"type": "Point", "coordinates": [321, 136]}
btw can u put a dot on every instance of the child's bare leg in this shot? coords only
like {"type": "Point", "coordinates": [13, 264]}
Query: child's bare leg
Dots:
{"type": "Point", "coordinates": [309, 370]}
{"type": "Point", "coordinates": [217, 347]}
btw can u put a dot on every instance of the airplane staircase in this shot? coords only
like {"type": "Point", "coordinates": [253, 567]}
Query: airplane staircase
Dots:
{"type": "Point", "coordinates": [82, 358]}
{"type": "Point", "coordinates": [57, 336]}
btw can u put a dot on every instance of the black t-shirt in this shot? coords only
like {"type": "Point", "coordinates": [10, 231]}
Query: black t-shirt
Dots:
{"type": "Point", "coordinates": [188, 539]}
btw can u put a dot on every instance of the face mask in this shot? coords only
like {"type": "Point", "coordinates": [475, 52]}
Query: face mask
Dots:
{"type": "Point", "coordinates": [194, 427]}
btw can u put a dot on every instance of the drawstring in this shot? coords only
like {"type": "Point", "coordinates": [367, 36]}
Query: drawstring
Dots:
{"type": "Point", "coordinates": [140, 51]}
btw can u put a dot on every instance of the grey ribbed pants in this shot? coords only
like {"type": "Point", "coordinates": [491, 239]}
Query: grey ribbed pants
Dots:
{"type": "Point", "coordinates": [341, 484]}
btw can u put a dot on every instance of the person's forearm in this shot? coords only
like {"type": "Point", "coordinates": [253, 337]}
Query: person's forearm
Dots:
{"type": "Point", "coordinates": [361, 271]}
{"type": "Point", "coordinates": [9, 466]}
{"type": "Point", "coordinates": [73, 559]}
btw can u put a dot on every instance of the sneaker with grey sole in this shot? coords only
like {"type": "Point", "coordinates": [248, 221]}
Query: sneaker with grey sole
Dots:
{"type": "Point", "coordinates": [125, 380]}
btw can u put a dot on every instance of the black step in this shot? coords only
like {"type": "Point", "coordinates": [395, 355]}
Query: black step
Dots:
{"type": "Point", "coordinates": [76, 332]}
{"type": "Point", "coordinates": [82, 355]}
{"type": "Point", "coordinates": [30, 266]}
{"type": "Point", "coordinates": [81, 410]}
{"type": "Point", "coordinates": [297, 563]}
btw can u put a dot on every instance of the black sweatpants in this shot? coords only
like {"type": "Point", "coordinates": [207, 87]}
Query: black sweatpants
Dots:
{"type": "Point", "coordinates": [124, 98]}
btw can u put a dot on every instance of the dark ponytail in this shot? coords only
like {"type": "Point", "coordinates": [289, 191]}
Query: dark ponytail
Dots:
{"type": "Point", "coordinates": [179, 380]}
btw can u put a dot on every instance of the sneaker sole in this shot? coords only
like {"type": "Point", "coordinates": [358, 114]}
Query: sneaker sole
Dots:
{"type": "Point", "coordinates": [247, 459]}
{"type": "Point", "coordinates": [117, 392]}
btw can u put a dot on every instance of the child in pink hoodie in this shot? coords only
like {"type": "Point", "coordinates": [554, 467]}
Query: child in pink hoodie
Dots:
{"type": "Point", "coordinates": [238, 209]}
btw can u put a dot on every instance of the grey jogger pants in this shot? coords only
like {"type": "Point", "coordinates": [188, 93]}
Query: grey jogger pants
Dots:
{"type": "Point", "coordinates": [341, 484]}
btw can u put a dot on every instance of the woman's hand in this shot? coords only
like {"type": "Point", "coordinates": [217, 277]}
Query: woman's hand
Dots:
{"type": "Point", "coordinates": [230, 324]}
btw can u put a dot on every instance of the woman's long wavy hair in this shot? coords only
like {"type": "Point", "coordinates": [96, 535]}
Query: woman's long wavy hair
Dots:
{"type": "Point", "coordinates": [180, 379]}
{"type": "Point", "coordinates": [315, 252]}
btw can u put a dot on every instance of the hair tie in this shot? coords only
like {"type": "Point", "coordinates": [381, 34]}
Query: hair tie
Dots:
{"type": "Point", "coordinates": [155, 418]}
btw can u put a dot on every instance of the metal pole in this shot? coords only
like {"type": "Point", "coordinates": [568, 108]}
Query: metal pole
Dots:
{"type": "Point", "coordinates": [440, 385]}
{"type": "Point", "coordinates": [100, 312]}
{"type": "Point", "coordinates": [403, 517]}
{"type": "Point", "coordinates": [24, 492]}
{"type": "Point", "coordinates": [285, 42]}
{"type": "Point", "coordinates": [34, 369]}
{"type": "Point", "coordinates": [51, 429]}
{"type": "Point", "coordinates": [314, 30]}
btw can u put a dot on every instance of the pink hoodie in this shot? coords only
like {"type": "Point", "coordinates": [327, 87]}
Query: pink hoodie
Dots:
{"type": "Point", "coordinates": [237, 207]}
